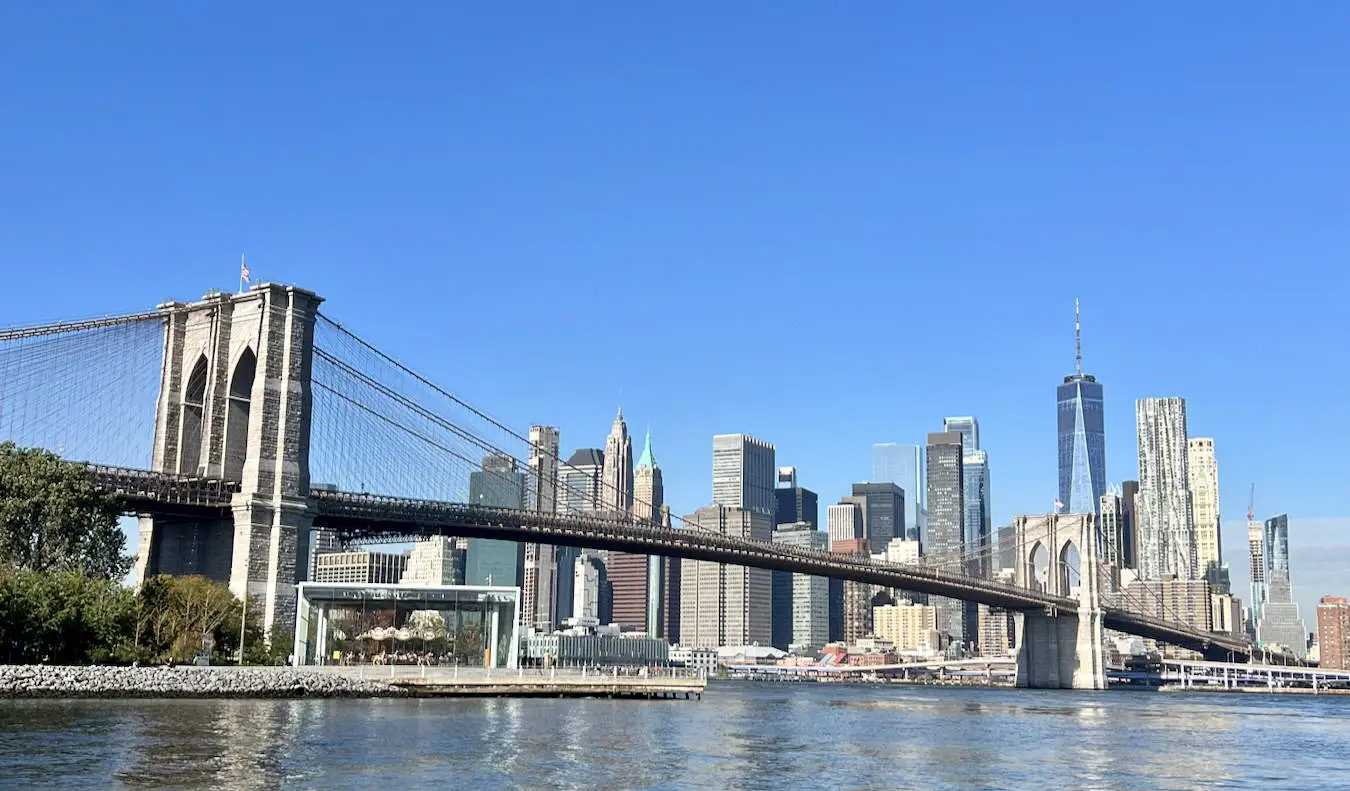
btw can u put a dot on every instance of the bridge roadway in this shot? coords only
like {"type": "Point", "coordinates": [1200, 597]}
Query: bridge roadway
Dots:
{"type": "Point", "coordinates": [370, 517]}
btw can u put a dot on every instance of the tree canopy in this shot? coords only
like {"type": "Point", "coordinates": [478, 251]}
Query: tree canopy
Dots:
{"type": "Point", "coordinates": [53, 519]}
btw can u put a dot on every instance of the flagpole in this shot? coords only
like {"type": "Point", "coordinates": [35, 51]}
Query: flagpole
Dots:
{"type": "Point", "coordinates": [241, 273]}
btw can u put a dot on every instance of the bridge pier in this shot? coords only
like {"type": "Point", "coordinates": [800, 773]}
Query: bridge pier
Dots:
{"type": "Point", "coordinates": [1060, 651]}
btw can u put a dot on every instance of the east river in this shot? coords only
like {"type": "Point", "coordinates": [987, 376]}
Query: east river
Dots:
{"type": "Point", "coordinates": [740, 735]}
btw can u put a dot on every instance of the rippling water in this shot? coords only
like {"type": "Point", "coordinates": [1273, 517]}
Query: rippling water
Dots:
{"type": "Point", "coordinates": [741, 735]}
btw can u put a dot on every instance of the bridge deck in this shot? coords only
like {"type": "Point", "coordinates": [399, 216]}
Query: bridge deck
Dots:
{"type": "Point", "coordinates": [376, 517]}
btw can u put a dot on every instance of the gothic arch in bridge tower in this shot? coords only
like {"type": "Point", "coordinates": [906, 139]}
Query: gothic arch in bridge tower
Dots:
{"type": "Point", "coordinates": [194, 403]}
{"type": "Point", "coordinates": [1038, 567]}
{"type": "Point", "coordinates": [237, 415]}
{"type": "Point", "coordinates": [1068, 567]}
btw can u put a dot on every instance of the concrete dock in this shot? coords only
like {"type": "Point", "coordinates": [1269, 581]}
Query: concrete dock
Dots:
{"type": "Point", "coordinates": [441, 681]}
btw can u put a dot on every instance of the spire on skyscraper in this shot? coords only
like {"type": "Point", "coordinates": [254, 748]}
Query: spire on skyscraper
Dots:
{"type": "Point", "coordinates": [616, 487]}
{"type": "Point", "coordinates": [647, 459]}
{"type": "Point", "coordinates": [1077, 341]}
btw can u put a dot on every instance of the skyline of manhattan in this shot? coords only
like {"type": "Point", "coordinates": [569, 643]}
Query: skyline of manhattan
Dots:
{"type": "Point", "coordinates": [824, 253]}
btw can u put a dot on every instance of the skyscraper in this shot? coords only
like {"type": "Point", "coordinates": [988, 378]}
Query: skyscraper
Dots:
{"type": "Point", "coordinates": [1277, 542]}
{"type": "Point", "coordinates": [722, 604]}
{"type": "Point", "coordinates": [1082, 435]}
{"type": "Point", "coordinates": [434, 561]}
{"type": "Point", "coordinates": [1256, 547]}
{"type": "Point", "coordinates": [1165, 520]}
{"type": "Point", "coordinates": [1129, 524]}
{"type": "Point", "coordinates": [631, 574]}
{"type": "Point", "coordinates": [845, 522]}
{"type": "Point", "coordinates": [969, 429]}
{"type": "Point", "coordinates": [795, 503]}
{"type": "Point", "coordinates": [977, 524]}
{"type": "Point", "coordinates": [883, 513]}
{"type": "Point", "coordinates": [946, 521]}
{"type": "Point", "coordinates": [1203, 469]}
{"type": "Point", "coordinates": [616, 479]}
{"type": "Point", "coordinates": [1110, 514]}
{"type": "Point", "coordinates": [671, 577]}
{"type": "Point", "coordinates": [902, 465]}
{"type": "Point", "coordinates": [578, 492]}
{"type": "Point", "coordinates": [743, 473]}
{"type": "Point", "coordinates": [592, 601]}
{"type": "Point", "coordinates": [579, 481]}
{"type": "Point", "coordinates": [540, 586]}
{"type": "Point", "coordinates": [1280, 622]}
{"type": "Point", "coordinates": [808, 598]}
{"type": "Point", "coordinates": [490, 562]}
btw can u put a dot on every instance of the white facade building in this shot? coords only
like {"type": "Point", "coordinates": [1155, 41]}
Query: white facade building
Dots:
{"type": "Point", "coordinates": [899, 550]}
{"type": "Point", "coordinates": [844, 522]}
{"type": "Point", "coordinates": [743, 473]}
{"type": "Point", "coordinates": [1166, 528]}
{"type": "Point", "coordinates": [1203, 471]}
{"type": "Point", "coordinates": [586, 581]}
{"type": "Point", "coordinates": [539, 589]}
{"type": "Point", "coordinates": [434, 561]}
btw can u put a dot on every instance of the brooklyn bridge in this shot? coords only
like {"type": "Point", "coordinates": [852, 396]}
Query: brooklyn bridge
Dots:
{"type": "Point", "coordinates": [234, 427]}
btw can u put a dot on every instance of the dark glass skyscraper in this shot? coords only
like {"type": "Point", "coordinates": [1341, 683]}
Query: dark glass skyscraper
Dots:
{"type": "Point", "coordinates": [1129, 535]}
{"type": "Point", "coordinates": [792, 504]}
{"type": "Point", "coordinates": [883, 513]}
{"type": "Point", "coordinates": [1277, 543]}
{"type": "Point", "coordinates": [488, 561]}
{"type": "Point", "coordinates": [1082, 436]}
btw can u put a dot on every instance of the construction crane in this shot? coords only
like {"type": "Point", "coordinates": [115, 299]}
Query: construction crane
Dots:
{"type": "Point", "coordinates": [1251, 504]}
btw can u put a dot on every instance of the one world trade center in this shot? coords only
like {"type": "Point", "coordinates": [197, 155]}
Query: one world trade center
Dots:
{"type": "Point", "coordinates": [1082, 436]}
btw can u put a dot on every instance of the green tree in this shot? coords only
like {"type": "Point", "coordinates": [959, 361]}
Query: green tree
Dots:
{"type": "Point", "coordinates": [63, 617]}
{"type": "Point", "coordinates": [53, 519]}
{"type": "Point", "coordinates": [174, 613]}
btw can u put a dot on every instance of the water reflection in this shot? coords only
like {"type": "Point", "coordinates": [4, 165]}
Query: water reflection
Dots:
{"type": "Point", "coordinates": [204, 744]}
{"type": "Point", "coordinates": [740, 736]}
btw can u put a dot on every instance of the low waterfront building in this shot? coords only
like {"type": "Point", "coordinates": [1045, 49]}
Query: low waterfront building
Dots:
{"type": "Point", "coordinates": [354, 623]}
{"type": "Point", "coordinates": [599, 647]}
{"type": "Point", "coordinates": [704, 659]}
{"type": "Point", "coordinates": [749, 655]}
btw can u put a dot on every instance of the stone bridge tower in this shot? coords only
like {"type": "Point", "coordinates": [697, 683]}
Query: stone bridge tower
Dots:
{"type": "Point", "coordinates": [234, 403]}
{"type": "Point", "coordinates": [1057, 650]}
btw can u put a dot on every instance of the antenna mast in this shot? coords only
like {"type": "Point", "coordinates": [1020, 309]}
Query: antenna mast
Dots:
{"type": "Point", "coordinates": [1077, 342]}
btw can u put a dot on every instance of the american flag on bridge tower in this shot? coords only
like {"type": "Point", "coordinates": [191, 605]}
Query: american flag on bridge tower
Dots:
{"type": "Point", "coordinates": [243, 274]}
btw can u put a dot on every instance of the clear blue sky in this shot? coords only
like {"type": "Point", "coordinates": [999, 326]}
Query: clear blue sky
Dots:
{"type": "Point", "coordinates": [827, 227]}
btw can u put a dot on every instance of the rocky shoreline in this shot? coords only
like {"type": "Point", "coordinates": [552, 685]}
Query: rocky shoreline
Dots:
{"type": "Point", "coordinates": [56, 681]}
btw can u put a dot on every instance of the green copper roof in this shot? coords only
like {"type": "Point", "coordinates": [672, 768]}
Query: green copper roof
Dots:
{"type": "Point", "coordinates": [647, 459]}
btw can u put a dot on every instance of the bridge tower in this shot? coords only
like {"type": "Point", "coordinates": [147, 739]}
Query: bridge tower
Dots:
{"type": "Point", "coordinates": [234, 403]}
{"type": "Point", "coordinates": [1058, 650]}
